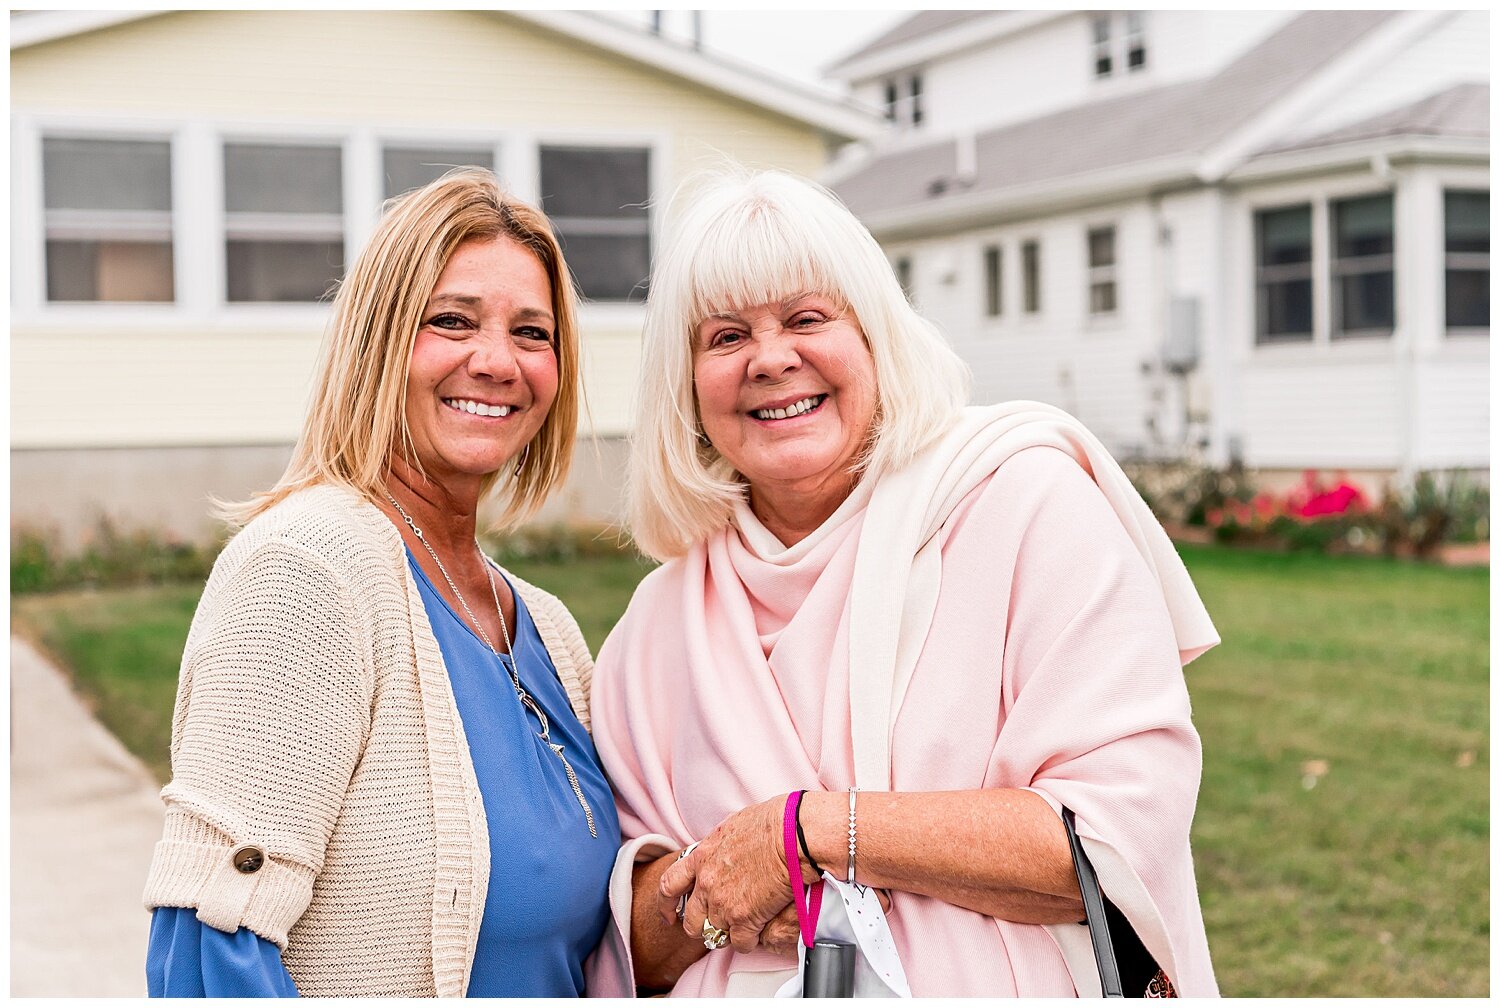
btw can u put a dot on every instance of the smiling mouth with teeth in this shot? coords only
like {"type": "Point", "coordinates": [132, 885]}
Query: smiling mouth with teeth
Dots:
{"type": "Point", "coordinates": [797, 408]}
{"type": "Point", "coordinates": [478, 408]}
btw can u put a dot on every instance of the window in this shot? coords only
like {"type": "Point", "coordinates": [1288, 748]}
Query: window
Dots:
{"type": "Point", "coordinates": [596, 197]}
{"type": "Point", "coordinates": [1135, 40]}
{"type": "Point", "coordinates": [1364, 266]}
{"type": "Point", "coordinates": [903, 274]}
{"type": "Point", "coordinates": [1101, 271]}
{"type": "Point", "coordinates": [108, 219]}
{"type": "Point", "coordinates": [1283, 275]}
{"type": "Point", "coordinates": [1031, 276]}
{"type": "Point", "coordinates": [406, 168]}
{"type": "Point", "coordinates": [992, 276]}
{"type": "Point", "coordinates": [1103, 62]}
{"type": "Point", "coordinates": [903, 100]}
{"type": "Point", "coordinates": [1118, 40]}
{"type": "Point", "coordinates": [1466, 259]}
{"type": "Point", "coordinates": [283, 220]}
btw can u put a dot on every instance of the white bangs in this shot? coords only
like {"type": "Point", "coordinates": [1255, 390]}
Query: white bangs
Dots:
{"type": "Point", "coordinates": [754, 255]}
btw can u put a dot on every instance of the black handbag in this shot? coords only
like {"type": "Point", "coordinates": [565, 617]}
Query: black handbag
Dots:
{"type": "Point", "coordinates": [1124, 963]}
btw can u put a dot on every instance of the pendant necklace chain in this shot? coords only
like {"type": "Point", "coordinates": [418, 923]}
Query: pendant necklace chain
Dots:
{"type": "Point", "coordinates": [510, 667]}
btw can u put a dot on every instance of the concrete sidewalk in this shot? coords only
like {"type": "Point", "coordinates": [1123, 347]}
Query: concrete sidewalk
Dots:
{"type": "Point", "coordinates": [84, 817]}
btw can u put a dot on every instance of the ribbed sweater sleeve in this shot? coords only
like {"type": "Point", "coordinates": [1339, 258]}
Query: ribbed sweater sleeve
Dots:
{"type": "Point", "coordinates": [272, 716]}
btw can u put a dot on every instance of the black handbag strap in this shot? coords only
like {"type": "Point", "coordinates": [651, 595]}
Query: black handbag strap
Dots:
{"type": "Point", "coordinates": [1093, 910]}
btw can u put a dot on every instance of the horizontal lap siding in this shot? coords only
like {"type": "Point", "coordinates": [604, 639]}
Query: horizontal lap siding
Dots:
{"type": "Point", "coordinates": [1453, 411]}
{"type": "Point", "coordinates": [1321, 414]}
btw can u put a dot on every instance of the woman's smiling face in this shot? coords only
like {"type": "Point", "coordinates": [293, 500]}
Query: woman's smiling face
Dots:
{"type": "Point", "coordinates": [787, 394]}
{"type": "Point", "coordinates": [484, 363]}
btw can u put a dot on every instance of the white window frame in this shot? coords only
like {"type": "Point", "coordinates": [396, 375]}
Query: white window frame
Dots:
{"type": "Point", "coordinates": [200, 280]}
{"type": "Point", "coordinates": [910, 88]}
{"type": "Point", "coordinates": [283, 137]}
{"type": "Point", "coordinates": [1120, 38]}
{"type": "Point", "coordinates": [1040, 310]}
{"type": "Point", "coordinates": [1444, 187]}
{"type": "Point", "coordinates": [992, 284]}
{"type": "Point", "coordinates": [1096, 275]}
{"type": "Point", "coordinates": [657, 181]}
{"type": "Point", "coordinates": [1321, 196]}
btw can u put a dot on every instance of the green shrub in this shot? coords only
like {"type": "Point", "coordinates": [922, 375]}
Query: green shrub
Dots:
{"type": "Point", "coordinates": [109, 558]}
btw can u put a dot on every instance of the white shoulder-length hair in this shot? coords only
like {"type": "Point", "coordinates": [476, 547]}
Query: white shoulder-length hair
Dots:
{"type": "Point", "coordinates": [741, 238]}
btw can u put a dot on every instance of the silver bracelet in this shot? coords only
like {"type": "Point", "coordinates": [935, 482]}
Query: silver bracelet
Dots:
{"type": "Point", "coordinates": [850, 877]}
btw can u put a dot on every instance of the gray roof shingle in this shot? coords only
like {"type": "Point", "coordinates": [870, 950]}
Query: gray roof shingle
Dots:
{"type": "Point", "coordinates": [1462, 110]}
{"type": "Point", "coordinates": [1172, 120]}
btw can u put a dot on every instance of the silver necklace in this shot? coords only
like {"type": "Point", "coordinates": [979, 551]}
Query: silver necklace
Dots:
{"type": "Point", "coordinates": [515, 680]}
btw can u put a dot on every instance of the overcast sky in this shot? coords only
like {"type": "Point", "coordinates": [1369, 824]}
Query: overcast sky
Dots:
{"type": "Point", "coordinates": [797, 44]}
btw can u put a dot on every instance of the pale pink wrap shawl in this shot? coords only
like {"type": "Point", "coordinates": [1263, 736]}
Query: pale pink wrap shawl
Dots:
{"type": "Point", "coordinates": [988, 617]}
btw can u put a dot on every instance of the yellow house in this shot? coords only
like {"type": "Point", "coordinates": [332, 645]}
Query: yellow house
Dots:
{"type": "Point", "coordinates": [186, 186]}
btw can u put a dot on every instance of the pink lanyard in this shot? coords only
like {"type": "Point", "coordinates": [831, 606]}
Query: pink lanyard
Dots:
{"type": "Point", "coordinates": [807, 899]}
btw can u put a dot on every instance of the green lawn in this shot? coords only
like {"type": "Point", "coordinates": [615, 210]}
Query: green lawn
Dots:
{"type": "Point", "coordinates": [1364, 678]}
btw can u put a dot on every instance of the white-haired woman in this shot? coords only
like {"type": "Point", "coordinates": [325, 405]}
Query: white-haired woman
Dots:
{"type": "Point", "coordinates": [382, 778]}
{"type": "Point", "coordinates": [965, 613]}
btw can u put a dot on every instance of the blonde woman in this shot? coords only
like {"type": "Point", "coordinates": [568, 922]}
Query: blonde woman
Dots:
{"type": "Point", "coordinates": [382, 778]}
{"type": "Point", "coordinates": [965, 613]}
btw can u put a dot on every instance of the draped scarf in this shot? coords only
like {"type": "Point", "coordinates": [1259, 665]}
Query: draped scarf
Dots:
{"type": "Point", "coordinates": [1004, 612]}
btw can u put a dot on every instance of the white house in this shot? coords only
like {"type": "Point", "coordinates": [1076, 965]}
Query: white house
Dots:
{"type": "Point", "coordinates": [1254, 235]}
{"type": "Point", "coordinates": [186, 185]}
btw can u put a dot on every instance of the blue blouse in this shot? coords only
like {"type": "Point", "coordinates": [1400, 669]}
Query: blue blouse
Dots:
{"type": "Point", "coordinates": [546, 907]}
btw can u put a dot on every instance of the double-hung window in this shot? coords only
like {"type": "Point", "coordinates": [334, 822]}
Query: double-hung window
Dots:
{"type": "Point", "coordinates": [1364, 266]}
{"type": "Point", "coordinates": [404, 168]}
{"type": "Point", "coordinates": [1284, 275]}
{"type": "Point", "coordinates": [597, 198]}
{"type": "Point", "coordinates": [1102, 290]}
{"type": "Point", "coordinates": [1118, 42]}
{"type": "Point", "coordinates": [903, 99]}
{"type": "Point", "coordinates": [1466, 259]}
{"type": "Point", "coordinates": [993, 293]}
{"type": "Point", "coordinates": [283, 221]}
{"type": "Point", "coordinates": [108, 219]}
{"type": "Point", "coordinates": [1031, 276]}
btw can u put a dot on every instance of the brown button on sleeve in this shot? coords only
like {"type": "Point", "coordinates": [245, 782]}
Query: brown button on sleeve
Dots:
{"type": "Point", "coordinates": [248, 859]}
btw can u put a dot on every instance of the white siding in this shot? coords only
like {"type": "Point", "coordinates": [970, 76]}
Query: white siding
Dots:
{"type": "Point", "coordinates": [1091, 366]}
{"type": "Point", "coordinates": [1326, 413]}
{"type": "Point", "coordinates": [1050, 67]}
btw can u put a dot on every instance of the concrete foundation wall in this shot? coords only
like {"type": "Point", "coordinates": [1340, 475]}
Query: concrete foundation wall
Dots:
{"type": "Point", "coordinates": [65, 493]}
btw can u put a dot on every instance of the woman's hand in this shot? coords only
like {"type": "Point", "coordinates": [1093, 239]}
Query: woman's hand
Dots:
{"type": "Point", "coordinates": [736, 878]}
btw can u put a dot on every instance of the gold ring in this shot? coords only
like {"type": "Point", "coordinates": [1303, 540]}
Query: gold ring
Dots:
{"type": "Point", "coordinates": [714, 938]}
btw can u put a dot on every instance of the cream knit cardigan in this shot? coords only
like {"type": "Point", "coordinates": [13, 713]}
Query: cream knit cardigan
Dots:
{"type": "Point", "coordinates": [315, 720]}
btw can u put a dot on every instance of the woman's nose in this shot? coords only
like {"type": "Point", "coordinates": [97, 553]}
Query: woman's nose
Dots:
{"type": "Point", "coordinates": [775, 355]}
{"type": "Point", "coordinates": [494, 357]}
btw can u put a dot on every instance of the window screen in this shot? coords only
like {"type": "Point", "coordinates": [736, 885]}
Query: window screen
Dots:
{"type": "Point", "coordinates": [406, 168]}
{"type": "Point", "coordinates": [596, 197]}
{"type": "Point", "coordinates": [1466, 259]}
{"type": "Point", "coordinates": [1283, 256]}
{"type": "Point", "coordinates": [284, 221]}
{"type": "Point", "coordinates": [108, 219]}
{"type": "Point", "coordinates": [1364, 266]}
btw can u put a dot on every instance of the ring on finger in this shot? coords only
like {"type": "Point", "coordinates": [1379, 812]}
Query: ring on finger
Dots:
{"type": "Point", "coordinates": [714, 938]}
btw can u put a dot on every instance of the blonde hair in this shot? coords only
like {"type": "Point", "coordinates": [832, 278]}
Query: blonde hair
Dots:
{"type": "Point", "coordinates": [746, 238]}
{"type": "Point", "coordinates": [357, 415]}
